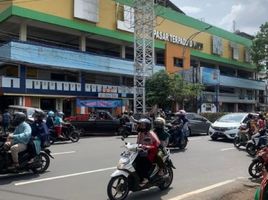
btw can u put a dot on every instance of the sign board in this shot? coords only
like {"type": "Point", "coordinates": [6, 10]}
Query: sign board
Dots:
{"type": "Point", "coordinates": [210, 76]}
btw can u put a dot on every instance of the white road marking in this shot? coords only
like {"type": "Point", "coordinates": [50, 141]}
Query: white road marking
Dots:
{"type": "Point", "coordinates": [183, 196]}
{"type": "Point", "coordinates": [227, 149]}
{"type": "Point", "coordinates": [63, 176]}
{"type": "Point", "coordinates": [61, 153]}
{"type": "Point", "coordinates": [192, 139]}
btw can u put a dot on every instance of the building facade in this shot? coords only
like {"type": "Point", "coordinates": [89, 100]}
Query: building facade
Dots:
{"type": "Point", "coordinates": [77, 56]}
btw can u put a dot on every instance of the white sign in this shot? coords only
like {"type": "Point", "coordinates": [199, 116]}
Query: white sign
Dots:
{"type": "Point", "coordinates": [87, 10]}
{"type": "Point", "coordinates": [108, 95]}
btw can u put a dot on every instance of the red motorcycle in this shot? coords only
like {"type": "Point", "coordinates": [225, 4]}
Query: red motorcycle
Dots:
{"type": "Point", "coordinates": [255, 169]}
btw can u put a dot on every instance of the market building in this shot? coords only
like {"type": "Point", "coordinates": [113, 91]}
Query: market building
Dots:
{"type": "Point", "coordinates": [77, 56]}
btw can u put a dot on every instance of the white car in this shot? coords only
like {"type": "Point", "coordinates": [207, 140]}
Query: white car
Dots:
{"type": "Point", "coordinates": [227, 126]}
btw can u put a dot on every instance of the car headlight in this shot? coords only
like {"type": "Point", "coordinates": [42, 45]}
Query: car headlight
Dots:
{"type": "Point", "coordinates": [122, 162]}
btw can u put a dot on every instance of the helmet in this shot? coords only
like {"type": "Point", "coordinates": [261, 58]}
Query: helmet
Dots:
{"type": "Point", "coordinates": [181, 113]}
{"type": "Point", "coordinates": [144, 125]}
{"type": "Point", "coordinates": [19, 117]}
{"type": "Point", "coordinates": [159, 122]}
{"type": "Point", "coordinates": [51, 114]}
{"type": "Point", "coordinates": [60, 114]}
{"type": "Point", "coordinates": [39, 115]}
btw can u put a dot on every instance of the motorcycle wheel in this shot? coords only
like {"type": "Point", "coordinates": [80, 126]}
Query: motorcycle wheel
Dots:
{"type": "Point", "coordinates": [255, 169]}
{"type": "Point", "coordinates": [165, 185]}
{"type": "Point", "coordinates": [42, 161]}
{"type": "Point", "coordinates": [183, 143]}
{"type": "Point", "coordinates": [237, 142]}
{"type": "Point", "coordinates": [74, 136]}
{"type": "Point", "coordinates": [251, 149]}
{"type": "Point", "coordinates": [117, 188]}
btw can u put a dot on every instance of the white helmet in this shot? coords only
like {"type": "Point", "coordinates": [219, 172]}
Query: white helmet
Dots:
{"type": "Point", "coordinates": [159, 122]}
{"type": "Point", "coordinates": [181, 113]}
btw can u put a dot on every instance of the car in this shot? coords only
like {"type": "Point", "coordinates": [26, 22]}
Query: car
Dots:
{"type": "Point", "coordinates": [228, 125]}
{"type": "Point", "coordinates": [99, 123]}
{"type": "Point", "coordinates": [197, 123]}
{"type": "Point", "coordinates": [28, 111]}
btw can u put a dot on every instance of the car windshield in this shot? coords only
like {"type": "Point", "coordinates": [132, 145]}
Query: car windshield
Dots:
{"type": "Point", "coordinates": [236, 117]}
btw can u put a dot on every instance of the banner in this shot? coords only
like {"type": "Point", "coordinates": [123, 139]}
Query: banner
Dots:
{"type": "Point", "coordinates": [210, 76]}
{"type": "Point", "coordinates": [97, 103]}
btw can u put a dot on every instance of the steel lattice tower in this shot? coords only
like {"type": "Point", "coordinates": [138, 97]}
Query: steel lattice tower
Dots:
{"type": "Point", "coordinates": [144, 18]}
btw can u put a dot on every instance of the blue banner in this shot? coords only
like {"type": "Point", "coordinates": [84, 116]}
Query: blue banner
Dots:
{"type": "Point", "coordinates": [210, 76]}
{"type": "Point", "coordinates": [98, 103]}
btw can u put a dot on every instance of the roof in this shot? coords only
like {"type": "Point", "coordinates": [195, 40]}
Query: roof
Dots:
{"type": "Point", "coordinates": [171, 5]}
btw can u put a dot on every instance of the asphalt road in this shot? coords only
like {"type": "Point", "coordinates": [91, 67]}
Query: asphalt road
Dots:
{"type": "Point", "coordinates": [82, 170]}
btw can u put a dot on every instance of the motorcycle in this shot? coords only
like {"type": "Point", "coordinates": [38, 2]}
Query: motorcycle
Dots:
{"type": "Point", "coordinates": [262, 191]}
{"type": "Point", "coordinates": [253, 146]}
{"type": "Point", "coordinates": [126, 129]}
{"type": "Point", "coordinates": [255, 169]}
{"type": "Point", "coordinates": [39, 165]}
{"type": "Point", "coordinates": [126, 179]}
{"type": "Point", "coordinates": [68, 133]}
{"type": "Point", "coordinates": [241, 137]}
{"type": "Point", "coordinates": [177, 137]}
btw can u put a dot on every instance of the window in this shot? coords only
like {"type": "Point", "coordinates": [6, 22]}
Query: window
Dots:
{"type": "Point", "coordinates": [178, 62]}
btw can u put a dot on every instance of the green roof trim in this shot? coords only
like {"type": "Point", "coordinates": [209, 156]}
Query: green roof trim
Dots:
{"type": "Point", "coordinates": [5, 14]}
{"type": "Point", "coordinates": [223, 60]}
{"type": "Point", "coordinates": [180, 18]}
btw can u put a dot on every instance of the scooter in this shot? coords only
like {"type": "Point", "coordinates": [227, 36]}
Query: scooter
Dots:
{"type": "Point", "coordinates": [177, 137]}
{"type": "Point", "coordinates": [255, 169]}
{"type": "Point", "coordinates": [39, 165]}
{"type": "Point", "coordinates": [126, 179]}
{"type": "Point", "coordinates": [242, 137]}
{"type": "Point", "coordinates": [253, 146]}
{"type": "Point", "coordinates": [68, 133]}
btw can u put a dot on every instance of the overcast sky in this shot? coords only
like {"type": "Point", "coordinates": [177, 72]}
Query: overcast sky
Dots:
{"type": "Point", "coordinates": [247, 14]}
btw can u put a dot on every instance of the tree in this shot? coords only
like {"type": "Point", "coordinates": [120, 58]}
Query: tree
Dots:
{"type": "Point", "coordinates": [157, 89]}
{"type": "Point", "coordinates": [162, 88]}
{"type": "Point", "coordinates": [182, 91]}
{"type": "Point", "coordinates": [259, 48]}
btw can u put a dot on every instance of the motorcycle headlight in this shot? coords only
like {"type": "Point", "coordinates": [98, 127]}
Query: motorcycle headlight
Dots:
{"type": "Point", "coordinates": [122, 162]}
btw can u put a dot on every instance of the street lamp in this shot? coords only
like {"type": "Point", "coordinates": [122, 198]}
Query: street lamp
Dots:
{"type": "Point", "coordinates": [192, 37]}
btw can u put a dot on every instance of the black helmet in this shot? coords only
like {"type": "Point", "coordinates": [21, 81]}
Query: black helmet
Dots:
{"type": "Point", "coordinates": [159, 123]}
{"type": "Point", "coordinates": [19, 117]}
{"type": "Point", "coordinates": [144, 125]}
{"type": "Point", "coordinates": [39, 115]}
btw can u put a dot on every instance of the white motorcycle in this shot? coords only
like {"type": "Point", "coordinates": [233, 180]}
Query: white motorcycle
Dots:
{"type": "Point", "coordinates": [126, 179]}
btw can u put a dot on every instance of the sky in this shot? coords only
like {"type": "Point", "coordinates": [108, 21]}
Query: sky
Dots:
{"type": "Point", "coordinates": [248, 15]}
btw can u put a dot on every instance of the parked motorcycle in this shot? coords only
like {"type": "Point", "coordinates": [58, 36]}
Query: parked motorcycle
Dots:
{"type": "Point", "coordinates": [68, 133]}
{"type": "Point", "coordinates": [253, 146]}
{"type": "Point", "coordinates": [126, 129]}
{"type": "Point", "coordinates": [40, 162]}
{"type": "Point", "coordinates": [177, 137]}
{"type": "Point", "coordinates": [242, 137]}
{"type": "Point", "coordinates": [255, 169]}
{"type": "Point", "coordinates": [126, 179]}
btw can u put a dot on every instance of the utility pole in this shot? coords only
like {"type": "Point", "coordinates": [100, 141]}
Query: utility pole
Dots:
{"type": "Point", "coordinates": [144, 19]}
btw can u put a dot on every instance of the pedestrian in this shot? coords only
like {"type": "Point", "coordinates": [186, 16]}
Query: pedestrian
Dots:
{"type": "Point", "coordinates": [6, 118]}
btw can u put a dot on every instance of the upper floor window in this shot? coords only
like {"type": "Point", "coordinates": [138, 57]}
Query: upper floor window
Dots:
{"type": "Point", "coordinates": [178, 62]}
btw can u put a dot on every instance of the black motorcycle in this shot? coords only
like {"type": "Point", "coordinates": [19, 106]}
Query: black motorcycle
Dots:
{"type": "Point", "coordinates": [177, 138]}
{"type": "Point", "coordinates": [39, 165]}
{"type": "Point", "coordinates": [126, 129]}
{"type": "Point", "coordinates": [68, 133]}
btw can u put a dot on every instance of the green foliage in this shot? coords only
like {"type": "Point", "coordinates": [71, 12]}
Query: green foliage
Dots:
{"type": "Point", "coordinates": [259, 49]}
{"type": "Point", "coordinates": [213, 116]}
{"type": "Point", "coordinates": [162, 88]}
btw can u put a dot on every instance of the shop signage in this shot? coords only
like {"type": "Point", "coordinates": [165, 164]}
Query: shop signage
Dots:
{"type": "Point", "coordinates": [177, 40]}
{"type": "Point", "coordinates": [108, 95]}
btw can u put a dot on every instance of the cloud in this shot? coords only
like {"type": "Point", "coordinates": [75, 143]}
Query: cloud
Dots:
{"type": "Point", "coordinates": [248, 15]}
{"type": "Point", "coordinates": [190, 10]}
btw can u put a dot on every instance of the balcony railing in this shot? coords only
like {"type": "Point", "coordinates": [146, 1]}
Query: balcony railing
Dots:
{"type": "Point", "coordinates": [228, 98]}
{"type": "Point", "coordinates": [9, 82]}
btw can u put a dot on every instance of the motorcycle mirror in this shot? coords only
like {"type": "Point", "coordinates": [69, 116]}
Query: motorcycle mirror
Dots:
{"type": "Point", "coordinates": [122, 138]}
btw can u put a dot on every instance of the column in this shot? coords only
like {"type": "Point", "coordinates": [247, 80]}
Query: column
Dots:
{"type": "Point", "coordinates": [23, 31]}
{"type": "Point", "coordinates": [83, 42]}
{"type": "Point", "coordinates": [22, 75]}
{"type": "Point", "coordinates": [82, 81]}
{"type": "Point", "coordinates": [123, 51]}
{"type": "Point", "coordinates": [236, 107]}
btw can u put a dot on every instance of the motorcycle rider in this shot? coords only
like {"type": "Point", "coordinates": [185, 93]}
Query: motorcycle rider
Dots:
{"type": "Point", "coordinates": [50, 120]}
{"type": "Point", "coordinates": [132, 121]}
{"type": "Point", "coordinates": [39, 131]}
{"type": "Point", "coordinates": [261, 130]}
{"type": "Point", "coordinates": [181, 124]}
{"type": "Point", "coordinates": [149, 142]}
{"type": "Point", "coordinates": [17, 142]}
{"type": "Point", "coordinates": [58, 124]}
{"type": "Point", "coordinates": [163, 135]}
